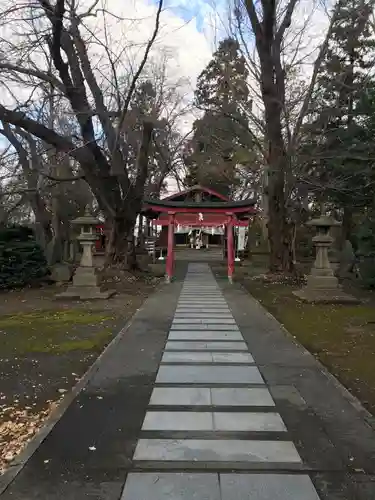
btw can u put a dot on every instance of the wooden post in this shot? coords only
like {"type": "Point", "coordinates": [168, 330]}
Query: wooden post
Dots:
{"type": "Point", "coordinates": [230, 250]}
{"type": "Point", "coordinates": [170, 254]}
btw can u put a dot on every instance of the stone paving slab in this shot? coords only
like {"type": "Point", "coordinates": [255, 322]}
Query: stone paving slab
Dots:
{"type": "Point", "coordinates": [229, 357]}
{"type": "Point", "coordinates": [207, 357]}
{"type": "Point", "coordinates": [202, 310]}
{"type": "Point", "coordinates": [178, 421]}
{"type": "Point", "coordinates": [212, 421]}
{"type": "Point", "coordinates": [200, 374]}
{"type": "Point", "coordinates": [210, 396]}
{"type": "Point", "coordinates": [206, 321]}
{"type": "Point", "coordinates": [194, 327]}
{"type": "Point", "coordinates": [201, 294]}
{"type": "Point", "coordinates": [169, 486]}
{"type": "Point", "coordinates": [198, 304]}
{"type": "Point", "coordinates": [204, 334]}
{"type": "Point", "coordinates": [241, 396]}
{"type": "Point", "coordinates": [187, 357]}
{"type": "Point", "coordinates": [200, 288]}
{"type": "Point", "coordinates": [198, 293]}
{"type": "Point", "coordinates": [194, 297]}
{"type": "Point", "coordinates": [209, 486]}
{"type": "Point", "coordinates": [202, 303]}
{"type": "Point", "coordinates": [181, 396]}
{"type": "Point", "coordinates": [207, 314]}
{"type": "Point", "coordinates": [212, 450]}
{"type": "Point", "coordinates": [267, 487]}
{"type": "Point", "coordinates": [205, 346]}
{"type": "Point", "coordinates": [251, 422]}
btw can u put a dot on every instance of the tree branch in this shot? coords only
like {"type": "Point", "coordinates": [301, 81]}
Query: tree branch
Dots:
{"type": "Point", "coordinates": [142, 160]}
{"type": "Point", "coordinates": [45, 77]}
{"type": "Point", "coordinates": [118, 166]}
{"type": "Point", "coordinates": [257, 28]}
{"type": "Point", "coordinates": [140, 68]}
{"type": "Point", "coordinates": [51, 137]}
{"type": "Point", "coordinates": [286, 21]}
{"type": "Point", "coordinates": [317, 65]}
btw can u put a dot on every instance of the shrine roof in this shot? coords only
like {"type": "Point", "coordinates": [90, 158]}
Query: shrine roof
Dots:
{"type": "Point", "coordinates": [204, 205]}
{"type": "Point", "coordinates": [197, 199]}
{"type": "Point", "coordinates": [205, 192]}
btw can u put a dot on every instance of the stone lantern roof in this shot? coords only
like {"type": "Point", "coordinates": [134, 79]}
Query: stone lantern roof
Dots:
{"type": "Point", "coordinates": [323, 221]}
{"type": "Point", "coordinates": [87, 219]}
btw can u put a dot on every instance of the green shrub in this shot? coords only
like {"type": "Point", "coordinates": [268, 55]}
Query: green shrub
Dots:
{"type": "Point", "coordinates": [22, 261]}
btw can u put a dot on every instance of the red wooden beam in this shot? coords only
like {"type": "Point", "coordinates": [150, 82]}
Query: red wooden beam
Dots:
{"type": "Point", "coordinates": [170, 254]}
{"type": "Point", "coordinates": [199, 210]}
{"type": "Point", "coordinates": [230, 251]}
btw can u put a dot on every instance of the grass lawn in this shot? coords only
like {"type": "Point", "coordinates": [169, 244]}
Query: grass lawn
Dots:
{"type": "Point", "coordinates": [341, 336]}
{"type": "Point", "coordinates": [46, 347]}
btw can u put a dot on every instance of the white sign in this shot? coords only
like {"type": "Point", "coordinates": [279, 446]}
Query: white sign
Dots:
{"type": "Point", "coordinates": [241, 238]}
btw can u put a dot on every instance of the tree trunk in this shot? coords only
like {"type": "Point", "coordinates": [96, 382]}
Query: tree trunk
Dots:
{"type": "Point", "coordinates": [278, 232]}
{"type": "Point", "coordinates": [120, 249]}
{"type": "Point", "coordinates": [43, 229]}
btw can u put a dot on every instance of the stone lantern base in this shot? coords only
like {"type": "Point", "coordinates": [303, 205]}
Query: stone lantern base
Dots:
{"type": "Point", "coordinates": [325, 296]}
{"type": "Point", "coordinates": [85, 286]}
{"type": "Point", "coordinates": [324, 290]}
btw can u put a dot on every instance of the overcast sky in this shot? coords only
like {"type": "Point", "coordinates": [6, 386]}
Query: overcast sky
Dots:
{"type": "Point", "coordinates": [189, 30]}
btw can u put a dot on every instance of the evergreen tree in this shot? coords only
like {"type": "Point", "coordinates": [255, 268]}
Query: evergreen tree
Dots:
{"type": "Point", "coordinates": [221, 134]}
{"type": "Point", "coordinates": [146, 102]}
{"type": "Point", "coordinates": [340, 135]}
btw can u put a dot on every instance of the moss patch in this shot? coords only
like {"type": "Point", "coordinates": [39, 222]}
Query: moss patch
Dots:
{"type": "Point", "coordinates": [342, 337]}
{"type": "Point", "coordinates": [57, 331]}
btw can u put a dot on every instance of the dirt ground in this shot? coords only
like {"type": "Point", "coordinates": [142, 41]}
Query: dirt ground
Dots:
{"type": "Point", "coordinates": [48, 344]}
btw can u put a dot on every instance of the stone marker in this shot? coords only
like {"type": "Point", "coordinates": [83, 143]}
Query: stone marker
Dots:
{"type": "Point", "coordinates": [85, 280]}
{"type": "Point", "coordinates": [347, 260]}
{"type": "Point", "coordinates": [61, 272]}
{"type": "Point", "coordinates": [322, 285]}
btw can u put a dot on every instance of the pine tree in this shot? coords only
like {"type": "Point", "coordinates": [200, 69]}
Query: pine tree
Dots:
{"type": "Point", "coordinates": [146, 103]}
{"type": "Point", "coordinates": [222, 94]}
{"type": "Point", "coordinates": [338, 140]}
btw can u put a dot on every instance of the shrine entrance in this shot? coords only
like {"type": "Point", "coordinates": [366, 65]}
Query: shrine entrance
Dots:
{"type": "Point", "coordinates": [204, 217]}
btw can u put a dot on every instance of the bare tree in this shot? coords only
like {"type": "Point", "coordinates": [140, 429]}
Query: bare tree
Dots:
{"type": "Point", "coordinates": [264, 25]}
{"type": "Point", "coordinates": [59, 33]}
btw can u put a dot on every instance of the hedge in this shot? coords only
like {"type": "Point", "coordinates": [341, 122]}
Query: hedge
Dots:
{"type": "Point", "coordinates": [22, 260]}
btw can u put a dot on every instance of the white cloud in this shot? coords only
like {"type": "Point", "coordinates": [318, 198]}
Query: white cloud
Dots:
{"type": "Point", "coordinates": [188, 49]}
{"type": "Point", "coordinates": [129, 25]}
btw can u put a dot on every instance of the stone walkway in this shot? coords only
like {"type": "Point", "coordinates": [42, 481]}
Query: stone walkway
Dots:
{"type": "Point", "coordinates": [212, 430]}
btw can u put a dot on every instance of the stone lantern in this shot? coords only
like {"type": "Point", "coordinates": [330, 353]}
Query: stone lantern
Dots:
{"type": "Point", "coordinates": [86, 284]}
{"type": "Point", "coordinates": [87, 237]}
{"type": "Point", "coordinates": [322, 285]}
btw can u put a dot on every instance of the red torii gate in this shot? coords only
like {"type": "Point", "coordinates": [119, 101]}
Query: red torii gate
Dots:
{"type": "Point", "coordinates": [208, 209]}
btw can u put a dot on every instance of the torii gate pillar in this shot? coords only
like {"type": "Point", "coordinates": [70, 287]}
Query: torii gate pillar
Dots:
{"type": "Point", "coordinates": [230, 250]}
{"type": "Point", "coordinates": [170, 248]}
